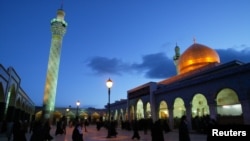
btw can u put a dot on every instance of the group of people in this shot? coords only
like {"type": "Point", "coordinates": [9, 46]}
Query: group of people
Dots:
{"type": "Point", "coordinates": [15, 131]}
{"type": "Point", "coordinates": [19, 129]}
{"type": "Point", "coordinates": [158, 129]}
{"type": "Point", "coordinates": [41, 130]}
{"type": "Point", "coordinates": [61, 126]}
{"type": "Point", "coordinates": [77, 134]}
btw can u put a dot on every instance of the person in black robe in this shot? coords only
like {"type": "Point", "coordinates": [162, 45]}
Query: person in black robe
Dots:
{"type": "Point", "coordinates": [183, 129]}
{"type": "Point", "coordinates": [135, 130]}
{"type": "Point", "coordinates": [77, 134]}
{"type": "Point", "coordinates": [157, 131]}
{"type": "Point", "coordinates": [37, 131]}
{"type": "Point", "coordinates": [59, 127]}
{"type": "Point", "coordinates": [46, 131]}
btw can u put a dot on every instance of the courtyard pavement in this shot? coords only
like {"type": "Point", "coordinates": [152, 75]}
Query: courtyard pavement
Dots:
{"type": "Point", "coordinates": [123, 135]}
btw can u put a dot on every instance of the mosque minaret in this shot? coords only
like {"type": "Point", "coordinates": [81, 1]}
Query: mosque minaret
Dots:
{"type": "Point", "coordinates": [176, 56]}
{"type": "Point", "coordinates": [58, 29]}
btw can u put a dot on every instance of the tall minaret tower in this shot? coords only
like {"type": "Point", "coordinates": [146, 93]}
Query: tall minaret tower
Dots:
{"type": "Point", "coordinates": [58, 29]}
{"type": "Point", "coordinates": [176, 57]}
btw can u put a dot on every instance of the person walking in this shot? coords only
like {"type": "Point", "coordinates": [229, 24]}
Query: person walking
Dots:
{"type": "Point", "coordinates": [135, 130]}
{"type": "Point", "coordinates": [77, 134]}
{"type": "Point", "coordinates": [18, 131]}
{"type": "Point", "coordinates": [37, 131]}
{"type": "Point", "coordinates": [86, 123]}
{"type": "Point", "coordinates": [112, 128]}
{"type": "Point", "coordinates": [183, 129]}
{"type": "Point", "coordinates": [157, 131]}
{"type": "Point", "coordinates": [46, 131]}
{"type": "Point", "coordinates": [9, 130]}
{"type": "Point", "coordinates": [59, 127]}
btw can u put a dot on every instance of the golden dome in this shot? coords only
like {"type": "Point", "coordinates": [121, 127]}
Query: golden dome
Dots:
{"type": "Point", "coordinates": [196, 56]}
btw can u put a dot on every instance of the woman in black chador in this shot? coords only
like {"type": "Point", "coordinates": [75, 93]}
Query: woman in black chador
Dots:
{"type": "Point", "coordinates": [112, 129]}
{"type": "Point", "coordinates": [157, 131]}
{"type": "Point", "coordinates": [136, 130]}
{"type": "Point", "coordinates": [183, 129]}
{"type": "Point", "coordinates": [37, 131]}
{"type": "Point", "coordinates": [46, 130]}
{"type": "Point", "coordinates": [18, 131]}
{"type": "Point", "coordinates": [77, 134]}
{"type": "Point", "coordinates": [59, 127]}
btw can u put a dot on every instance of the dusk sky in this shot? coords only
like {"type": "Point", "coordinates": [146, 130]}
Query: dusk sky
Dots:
{"type": "Point", "coordinates": [129, 41]}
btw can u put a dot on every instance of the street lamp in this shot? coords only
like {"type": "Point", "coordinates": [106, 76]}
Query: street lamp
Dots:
{"type": "Point", "coordinates": [109, 84]}
{"type": "Point", "coordinates": [77, 107]}
{"type": "Point", "coordinates": [67, 115]}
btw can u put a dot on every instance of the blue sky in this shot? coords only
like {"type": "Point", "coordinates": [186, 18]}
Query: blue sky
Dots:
{"type": "Point", "coordinates": [130, 41]}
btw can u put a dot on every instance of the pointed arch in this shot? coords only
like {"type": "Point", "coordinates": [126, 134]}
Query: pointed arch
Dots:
{"type": "Point", "coordinates": [126, 114]}
{"type": "Point", "coordinates": [163, 110]}
{"type": "Point", "coordinates": [116, 115]}
{"type": "Point", "coordinates": [139, 109]}
{"type": "Point", "coordinates": [179, 108]}
{"type": "Point", "coordinates": [148, 110]}
{"type": "Point", "coordinates": [200, 107]}
{"type": "Point", "coordinates": [228, 102]}
{"type": "Point", "coordinates": [121, 115]}
{"type": "Point", "coordinates": [132, 112]}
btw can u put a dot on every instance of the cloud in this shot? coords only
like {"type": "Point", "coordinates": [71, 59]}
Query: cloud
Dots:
{"type": "Point", "coordinates": [227, 55]}
{"type": "Point", "coordinates": [152, 66]}
{"type": "Point", "coordinates": [102, 66]}
{"type": "Point", "coordinates": [157, 65]}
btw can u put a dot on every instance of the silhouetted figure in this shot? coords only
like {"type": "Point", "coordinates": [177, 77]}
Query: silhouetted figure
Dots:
{"type": "Point", "coordinates": [86, 123]}
{"type": "Point", "coordinates": [59, 127]}
{"type": "Point", "coordinates": [46, 131]}
{"type": "Point", "coordinates": [157, 131]}
{"type": "Point", "coordinates": [166, 127]}
{"type": "Point", "coordinates": [77, 134]}
{"type": "Point", "coordinates": [37, 131]}
{"type": "Point", "coordinates": [145, 125]}
{"type": "Point", "coordinates": [211, 125]}
{"type": "Point", "coordinates": [18, 131]}
{"type": "Point", "coordinates": [4, 126]}
{"type": "Point", "coordinates": [135, 130]}
{"type": "Point", "coordinates": [183, 129]}
{"type": "Point", "coordinates": [9, 130]}
{"type": "Point", "coordinates": [98, 125]}
{"type": "Point", "coordinates": [25, 126]}
{"type": "Point", "coordinates": [64, 124]}
{"type": "Point", "coordinates": [111, 129]}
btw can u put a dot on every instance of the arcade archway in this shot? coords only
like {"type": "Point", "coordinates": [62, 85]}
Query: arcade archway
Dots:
{"type": "Point", "coordinates": [139, 110]}
{"type": "Point", "coordinates": [178, 111]}
{"type": "Point", "coordinates": [179, 108]}
{"type": "Point", "coordinates": [199, 106]}
{"type": "Point", "coordinates": [229, 107]}
{"type": "Point", "coordinates": [163, 110]}
{"type": "Point", "coordinates": [132, 112]}
{"type": "Point", "coordinates": [148, 110]}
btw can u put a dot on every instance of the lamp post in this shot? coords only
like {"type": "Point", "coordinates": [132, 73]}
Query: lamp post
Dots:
{"type": "Point", "coordinates": [109, 84]}
{"type": "Point", "coordinates": [67, 115]}
{"type": "Point", "coordinates": [77, 108]}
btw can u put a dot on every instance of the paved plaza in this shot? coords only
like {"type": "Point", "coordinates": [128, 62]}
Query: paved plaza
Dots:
{"type": "Point", "coordinates": [123, 135]}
